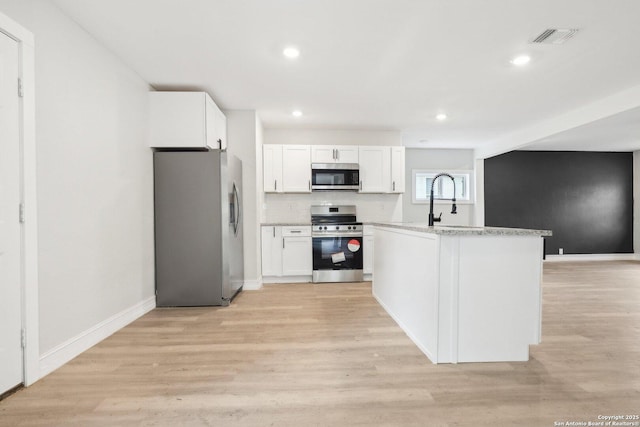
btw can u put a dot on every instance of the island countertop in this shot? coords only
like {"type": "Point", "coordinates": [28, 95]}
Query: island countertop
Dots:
{"type": "Point", "coordinates": [463, 230]}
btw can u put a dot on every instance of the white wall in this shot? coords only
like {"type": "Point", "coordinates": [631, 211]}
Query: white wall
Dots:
{"type": "Point", "coordinates": [242, 133]}
{"type": "Point", "coordinates": [439, 160]}
{"type": "Point", "coordinates": [94, 177]}
{"type": "Point", "coordinates": [331, 137]}
{"type": "Point", "coordinates": [294, 208]}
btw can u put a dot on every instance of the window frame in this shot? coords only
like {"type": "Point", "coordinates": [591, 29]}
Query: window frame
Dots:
{"type": "Point", "coordinates": [454, 172]}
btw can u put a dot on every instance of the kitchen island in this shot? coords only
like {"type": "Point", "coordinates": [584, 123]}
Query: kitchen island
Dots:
{"type": "Point", "coordinates": [462, 294]}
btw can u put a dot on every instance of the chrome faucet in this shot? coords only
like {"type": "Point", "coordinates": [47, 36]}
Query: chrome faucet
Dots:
{"type": "Point", "coordinates": [454, 209]}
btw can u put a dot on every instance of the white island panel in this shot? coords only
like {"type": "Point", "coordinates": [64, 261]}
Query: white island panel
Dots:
{"type": "Point", "coordinates": [462, 295]}
{"type": "Point", "coordinates": [498, 297]}
{"type": "Point", "coordinates": [398, 288]}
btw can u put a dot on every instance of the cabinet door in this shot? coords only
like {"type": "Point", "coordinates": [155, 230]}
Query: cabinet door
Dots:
{"type": "Point", "coordinates": [178, 119]}
{"type": "Point", "coordinates": [272, 168]}
{"type": "Point", "coordinates": [220, 128]}
{"type": "Point", "coordinates": [271, 251]}
{"type": "Point", "coordinates": [210, 119]}
{"type": "Point", "coordinates": [375, 169]}
{"type": "Point", "coordinates": [323, 154]}
{"type": "Point", "coordinates": [367, 255]}
{"type": "Point", "coordinates": [297, 255]}
{"type": "Point", "coordinates": [397, 169]}
{"type": "Point", "coordinates": [346, 154]}
{"type": "Point", "coordinates": [296, 168]}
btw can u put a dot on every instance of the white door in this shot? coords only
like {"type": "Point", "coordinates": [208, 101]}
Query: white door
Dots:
{"type": "Point", "coordinates": [10, 239]}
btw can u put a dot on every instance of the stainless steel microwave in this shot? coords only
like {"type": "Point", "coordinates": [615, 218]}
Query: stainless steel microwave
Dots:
{"type": "Point", "coordinates": [335, 177]}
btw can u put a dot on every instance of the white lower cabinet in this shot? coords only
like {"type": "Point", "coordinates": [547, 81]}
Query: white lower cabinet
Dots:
{"type": "Point", "coordinates": [271, 251]}
{"type": "Point", "coordinates": [286, 251]}
{"type": "Point", "coordinates": [297, 256]}
{"type": "Point", "coordinates": [367, 250]}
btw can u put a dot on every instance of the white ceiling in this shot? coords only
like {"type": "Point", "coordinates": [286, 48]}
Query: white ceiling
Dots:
{"type": "Point", "coordinates": [390, 64]}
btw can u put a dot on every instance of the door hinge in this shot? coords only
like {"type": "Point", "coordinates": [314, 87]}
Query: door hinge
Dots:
{"type": "Point", "coordinates": [20, 88]}
{"type": "Point", "coordinates": [21, 213]}
{"type": "Point", "coordinates": [23, 338]}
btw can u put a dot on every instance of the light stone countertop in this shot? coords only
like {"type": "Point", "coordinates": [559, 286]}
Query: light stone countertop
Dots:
{"type": "Point", "coordinates": [462, 230]}
{"type": "Point", "coordinates": [286, 224]}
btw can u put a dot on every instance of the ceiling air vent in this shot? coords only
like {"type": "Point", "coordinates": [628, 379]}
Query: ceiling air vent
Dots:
{"type": "Point", "coordinates": [555, 35]}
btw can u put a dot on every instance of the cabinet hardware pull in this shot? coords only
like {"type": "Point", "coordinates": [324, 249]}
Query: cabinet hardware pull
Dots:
{"type": "Point", "coordinates": [360, 185]}
{"type": "Point", "coordinates": [394, 186]}
{"type": "Point", "coordinates": [283, 243]}
{"type": "Point", "coordinates": [309, 185]}
{"type": "Point", "coordinates": [337, 154]}
{"type": "Point", "coordinates": [334, 154]}
{"type": "Point", "coordinates": [274, 232]}
{"type": "Point", "coordinates": [295, 231]}
{"type": "Point", "coordinates": [275, 184]}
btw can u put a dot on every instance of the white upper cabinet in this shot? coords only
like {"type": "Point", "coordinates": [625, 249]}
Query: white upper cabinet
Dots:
{"type": "Point", "coordinates": [272, 168]}
{"type": "Point", "coordinates": [375, 169]}
{"type": "Point", "coordinates": [186, 120]}
{"type": "Point", "coordinates": [397, 169]}
{"type": "Point", "coordinates": [296, 168]}
{"type": "Point", "coordinates": [334, 154]}
{"type": "Point", "coordinates": [217, 138]}
{"type": "Point", "coordinates": [286, 168]}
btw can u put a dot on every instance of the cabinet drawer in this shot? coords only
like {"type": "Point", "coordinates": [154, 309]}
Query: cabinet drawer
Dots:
{"type": "Point", "coordinates": [296, 231]}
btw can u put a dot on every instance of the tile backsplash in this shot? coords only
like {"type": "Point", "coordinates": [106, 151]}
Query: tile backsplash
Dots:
{"type": "Point", "coordinates": [296, 207]}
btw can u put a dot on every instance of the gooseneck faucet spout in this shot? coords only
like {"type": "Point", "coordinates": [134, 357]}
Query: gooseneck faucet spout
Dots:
{"type": "Point", "coordinates": [454, 209]}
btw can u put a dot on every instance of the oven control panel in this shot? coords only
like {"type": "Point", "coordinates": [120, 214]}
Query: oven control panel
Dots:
{"type": "Point", "coordinates": [339, 228]}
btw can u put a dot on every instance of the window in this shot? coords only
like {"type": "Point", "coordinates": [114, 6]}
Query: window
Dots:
{"type": "Point", "coordinates": [444, 188]}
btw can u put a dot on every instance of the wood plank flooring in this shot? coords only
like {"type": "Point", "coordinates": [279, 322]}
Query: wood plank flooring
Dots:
{"type": "Point", "coordinates": [329, 355]}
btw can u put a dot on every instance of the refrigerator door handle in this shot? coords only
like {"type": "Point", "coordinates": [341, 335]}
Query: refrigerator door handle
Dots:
{"type": "Point", "coordinates": [236, 202]}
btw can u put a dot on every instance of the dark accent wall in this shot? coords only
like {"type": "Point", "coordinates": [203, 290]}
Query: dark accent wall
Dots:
{"type": "Point", "coordinates": [585, 198]}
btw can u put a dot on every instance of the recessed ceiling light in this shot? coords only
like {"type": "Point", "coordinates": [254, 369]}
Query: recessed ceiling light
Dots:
{"type": "Point", "coordinates": [441, 116]}
{"type": "Point", "coordinates": [296, 113]}
{"type": "Point", "coordinates": [291, 52]}
{"type": "Point", "coordinates": [521, 60]}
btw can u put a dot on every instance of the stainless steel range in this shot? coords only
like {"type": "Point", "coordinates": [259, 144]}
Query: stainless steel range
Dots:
{"type": "Point", "coordinates": [337, 244]}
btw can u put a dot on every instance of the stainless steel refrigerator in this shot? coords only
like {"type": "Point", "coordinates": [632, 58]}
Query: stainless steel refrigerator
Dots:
{"type": "Point", "coordinates": [198, 228]}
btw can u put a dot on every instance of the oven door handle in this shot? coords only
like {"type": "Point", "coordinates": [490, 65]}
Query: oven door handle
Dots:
{"type": "Point", "coordinates": [347, 234]}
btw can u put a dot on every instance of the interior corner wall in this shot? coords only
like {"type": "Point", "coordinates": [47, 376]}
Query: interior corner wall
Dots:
{"type": "Point", "coordinates": [241, 134]}
{"type": "Point", "coordinates": [584, 198]}
{"type": "Point", "coordinates": [94, 178]}
{"type": "Point", "coordinates": [440, 160]}
{"type": "Point", "coordinates": [259, 193]}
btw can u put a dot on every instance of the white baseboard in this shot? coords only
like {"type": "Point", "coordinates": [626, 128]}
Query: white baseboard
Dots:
{"type": "Point", "coordinates": [63, 353]}
{"type": "Point", "coordinates": [252, 285]}
{"type": "Point", "coordinates": [592, 257]}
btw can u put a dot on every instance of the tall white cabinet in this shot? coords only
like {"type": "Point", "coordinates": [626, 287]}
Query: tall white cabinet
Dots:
{"type": "Point", "coordinates": [186, 120]}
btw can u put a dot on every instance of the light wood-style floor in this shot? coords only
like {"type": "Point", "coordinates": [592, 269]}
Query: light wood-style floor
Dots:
{"type": "Point", "coordinates": [329, 355]}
